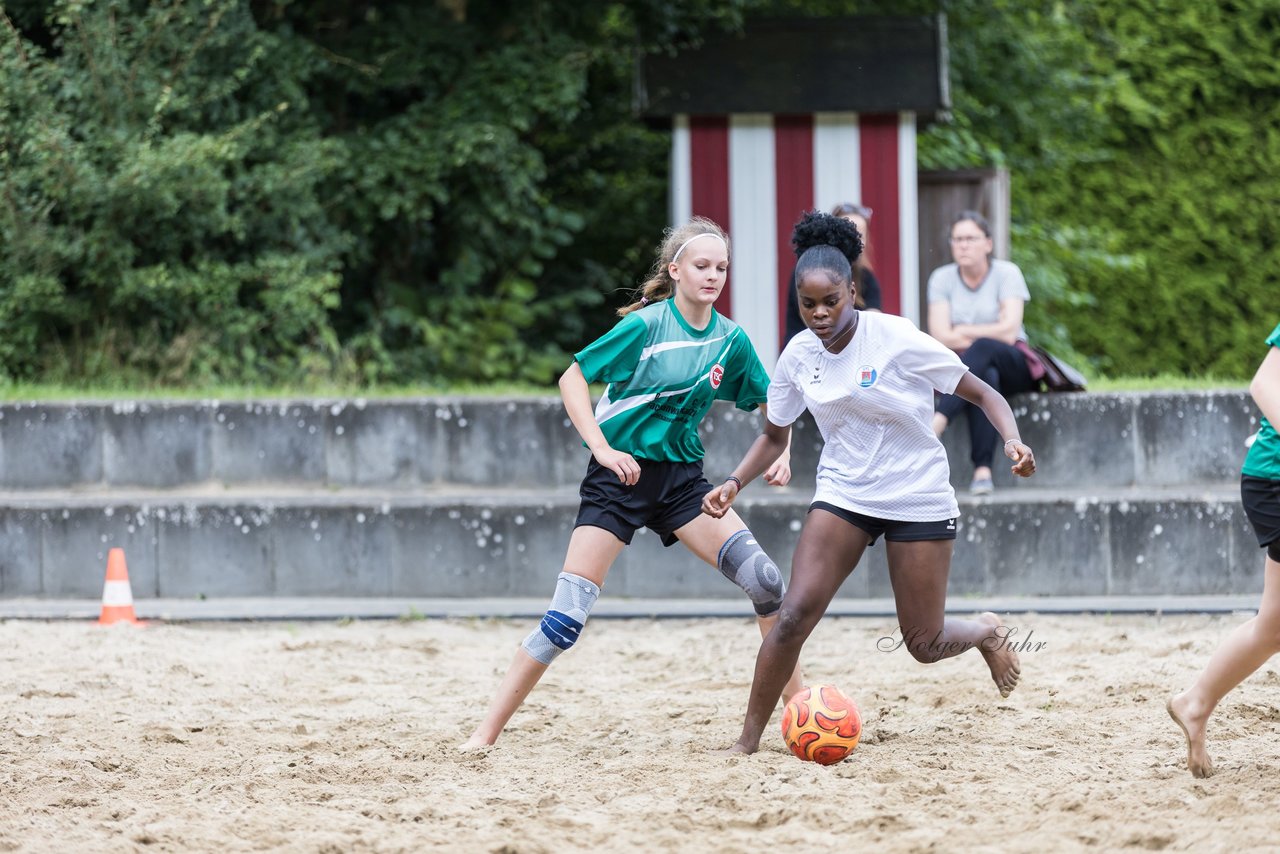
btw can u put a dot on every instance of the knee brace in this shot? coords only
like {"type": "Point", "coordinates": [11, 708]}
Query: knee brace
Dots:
{"type": "Point", "coordinates": [563, 622]}
{"type": "Point", "coordinates": [1273, 550]}
{"type": "Point", "coordinates": [743, 562]}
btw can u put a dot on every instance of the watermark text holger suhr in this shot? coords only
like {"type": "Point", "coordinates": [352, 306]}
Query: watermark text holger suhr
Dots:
{"type": "Point", "coordinates": [919, 640]}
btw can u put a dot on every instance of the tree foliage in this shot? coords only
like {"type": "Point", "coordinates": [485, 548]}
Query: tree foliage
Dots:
{"type": "Point", "coordinates": [259, 192]}
{"type": "Point", "coordinates": [163, 200]}
{"type": "Point", "coordinates": [271, 191]}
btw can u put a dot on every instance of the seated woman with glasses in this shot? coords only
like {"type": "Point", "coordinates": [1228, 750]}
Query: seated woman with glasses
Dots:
{"type": "Point", "coordinates": [866, 287]}
{"type": "Point", "coordinates": [975, 308]}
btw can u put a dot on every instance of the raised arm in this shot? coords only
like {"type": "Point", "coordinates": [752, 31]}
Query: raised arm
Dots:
{"type": "Point", "coordinates": [998, 412]}
{"type": "Point", "coordinates": [576, 395]}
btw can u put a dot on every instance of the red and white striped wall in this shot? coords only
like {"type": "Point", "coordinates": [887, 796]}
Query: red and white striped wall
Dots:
{"type": "Point", "coordinates": [755, 174]}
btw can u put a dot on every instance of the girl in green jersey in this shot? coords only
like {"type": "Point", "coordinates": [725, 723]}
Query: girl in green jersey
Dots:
{"type": "Point", "coordinates": [1252, 643]}
{"type": "Point", "coordinates": [666, 361]}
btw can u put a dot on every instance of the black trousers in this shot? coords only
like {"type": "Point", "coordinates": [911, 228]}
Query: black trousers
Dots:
{"type": "Point", "coordinates": [1001, 366]}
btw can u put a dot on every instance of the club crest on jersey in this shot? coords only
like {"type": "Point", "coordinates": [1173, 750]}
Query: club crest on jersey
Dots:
{"type": "Point", "coordinates": [717, 374]}
{"type": "Point", "coordinates": [867, 376]}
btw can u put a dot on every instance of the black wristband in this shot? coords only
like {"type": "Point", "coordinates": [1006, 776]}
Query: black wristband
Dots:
{"type": "Point", "coordinates": [735, 480]}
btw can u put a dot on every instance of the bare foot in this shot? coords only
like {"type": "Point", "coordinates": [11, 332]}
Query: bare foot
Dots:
{"type": "Point", "coordinates": [475, 743]}
{"type": "Point", "coordinates": [1192, 726]}
{"type": "Point", "coordinates": [1001, 659]}
{"type": "Point", "coordinates": [738, 749]}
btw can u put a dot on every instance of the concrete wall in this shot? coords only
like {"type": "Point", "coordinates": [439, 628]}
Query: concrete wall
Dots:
{"type": "Point", "coordinates": [1080, 440]}
{"type": "Point", "coordinates": [512, 546]}
{"type": "Point", "coordinates": [463, 497]}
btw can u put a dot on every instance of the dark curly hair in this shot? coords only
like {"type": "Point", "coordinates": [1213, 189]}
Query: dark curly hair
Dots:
{"type": "Point", "coordinates": [827, 243]}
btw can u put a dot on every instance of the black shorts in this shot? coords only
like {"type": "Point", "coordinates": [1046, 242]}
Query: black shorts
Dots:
{"type": "Point", "coordinates": [667, 497]}
{"type": "Point", "coordinates": [894, 530]}
{"type": "Point", "coordinates": [1261, 498]}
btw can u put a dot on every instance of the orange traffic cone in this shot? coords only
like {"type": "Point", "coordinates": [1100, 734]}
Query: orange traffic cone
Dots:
{"type": "Point", "coordinates": [117, 595]}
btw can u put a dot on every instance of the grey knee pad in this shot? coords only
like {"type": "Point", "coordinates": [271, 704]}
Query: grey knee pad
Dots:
{"type": "Point", "coordinates": [743, 562]}
{"type": "Point", "coordinates": [564, 620]}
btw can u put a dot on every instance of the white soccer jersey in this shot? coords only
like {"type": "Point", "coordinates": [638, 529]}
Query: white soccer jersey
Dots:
{"type": "Point", "coordinates": [873, 403]}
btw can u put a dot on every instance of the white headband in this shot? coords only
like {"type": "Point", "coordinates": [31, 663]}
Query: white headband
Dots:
{"type": "Point", "coordinates": [676, 257]}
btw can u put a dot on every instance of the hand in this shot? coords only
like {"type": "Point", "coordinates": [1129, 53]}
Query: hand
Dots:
{"type": "Point", "coordinates": [779, 474]}
{"type": "Point", "coordinates": [717, 502]}
{"type": "Point", "coordinates": [1024, 462]}
{"type": "Point", "coordinates": [620, 463]}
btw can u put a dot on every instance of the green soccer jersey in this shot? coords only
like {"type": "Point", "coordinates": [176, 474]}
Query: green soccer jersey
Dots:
{"type": "Point", "coordinates": [663, 376]}
{"type": "Point", "coordinates": [1263, 459]}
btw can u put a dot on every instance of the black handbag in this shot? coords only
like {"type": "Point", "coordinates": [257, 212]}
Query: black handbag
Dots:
{"type": "Point", "coordinates": [1055, 374]}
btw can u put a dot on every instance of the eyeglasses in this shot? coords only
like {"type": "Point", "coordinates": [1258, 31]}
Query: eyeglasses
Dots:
{"type": "Point", "coordinates": [966, 239]}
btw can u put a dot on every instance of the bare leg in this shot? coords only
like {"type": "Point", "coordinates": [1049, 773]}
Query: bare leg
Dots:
{"type": "Point", "coordinates": [982, 473]}
{"type": "Point", "coordinates": [523, 673]}
{"type": "Point", "coordinates": [828, 551]}
{"type": "Point", "coordinates": [704, 536]}
{"type": "Point", "coordinates": [1244, 651]}
{"type": "Point", "coordinates": [591, 552]}
{"type": "Point", "coordinates": [795, 682]}
{"type": "Point", "coordinates": [918, 572]}
{"type": "Point", "coordinates": [939, 424]}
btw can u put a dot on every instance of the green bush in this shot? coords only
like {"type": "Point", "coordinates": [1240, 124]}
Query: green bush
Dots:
{"type": "Point", "coordinates": [400, 192]}
{"type": "Point", "coordinates": [1189, 181]}
{"type": "Point", "coordinates": [166, 215]}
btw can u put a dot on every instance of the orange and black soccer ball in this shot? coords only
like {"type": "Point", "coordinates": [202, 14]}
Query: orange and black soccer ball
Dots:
{"type": "Point", "coordinates": [820, 724]}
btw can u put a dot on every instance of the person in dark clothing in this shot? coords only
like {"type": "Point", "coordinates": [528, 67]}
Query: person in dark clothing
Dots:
{"type": "Point", "coordinates": [975, 309]}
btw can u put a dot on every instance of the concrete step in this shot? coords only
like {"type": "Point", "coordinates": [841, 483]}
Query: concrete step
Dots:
{"type": "Point", "coordinates": [609, 607]}
{"type": "Point", "coordinates": [468, 542]}
{"type": "Point", "coordinates": [1081, 440]}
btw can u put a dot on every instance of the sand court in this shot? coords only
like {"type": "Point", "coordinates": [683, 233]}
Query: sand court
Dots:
{"type": "Point", "coordinates": [340, 737]}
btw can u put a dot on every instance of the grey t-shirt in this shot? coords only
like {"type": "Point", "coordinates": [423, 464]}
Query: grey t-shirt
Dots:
{"type": "Point", "coordinates": [981, 304]}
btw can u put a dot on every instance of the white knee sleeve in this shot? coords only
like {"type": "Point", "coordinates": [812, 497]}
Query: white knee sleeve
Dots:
{"type": "Point", "coordinates": [563, 622]}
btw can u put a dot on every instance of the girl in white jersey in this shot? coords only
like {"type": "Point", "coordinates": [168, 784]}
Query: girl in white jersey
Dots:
{"type": "Point", "coordinates": [669, 358]}
{"type": "Point", "coordinates": [869, 381]}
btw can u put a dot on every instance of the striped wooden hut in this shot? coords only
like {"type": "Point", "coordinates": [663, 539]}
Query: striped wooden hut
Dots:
{"type": "Point", "coordinates": [795, 114]}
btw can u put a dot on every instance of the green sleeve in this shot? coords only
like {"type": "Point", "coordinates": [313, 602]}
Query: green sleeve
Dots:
{"type": "Point", "coordinates": [745, 382]}
{"type": "Point", "coordinates": [614, 355]}
{"type": "Point", "coordinates": [1274, 339]}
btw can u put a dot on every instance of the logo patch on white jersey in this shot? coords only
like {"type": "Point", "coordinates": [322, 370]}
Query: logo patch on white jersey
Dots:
{"type": "Point", "coordinates": [867, 376]}
{"type": "Point", "coordinates": [717, 374]}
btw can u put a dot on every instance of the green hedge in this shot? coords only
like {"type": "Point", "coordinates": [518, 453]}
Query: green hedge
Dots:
{"type": "Point", "coordinates": [1143, 139]}
{"type": "Point", "coordinates": [1191, 181]}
